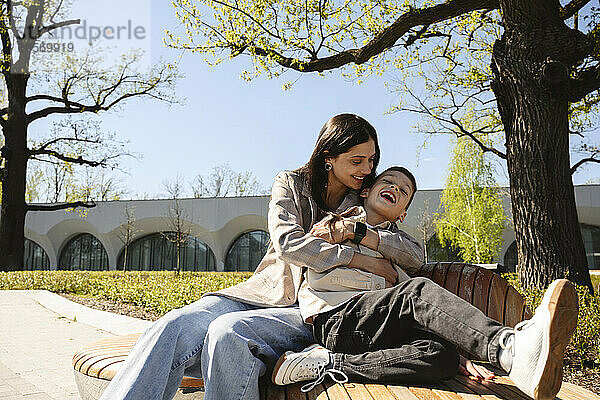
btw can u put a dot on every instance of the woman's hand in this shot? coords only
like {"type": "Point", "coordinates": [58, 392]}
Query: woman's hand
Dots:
{"type": "Point", "coordinates": [474, 371]}
{"type": "Point", "coordinates": [336, 232]}
{"type": "Point", "coordinates": [377, 266]}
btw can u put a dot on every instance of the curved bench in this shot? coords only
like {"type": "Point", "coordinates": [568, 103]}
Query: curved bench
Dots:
{"type": "Point", "coordinates": [97, 363]}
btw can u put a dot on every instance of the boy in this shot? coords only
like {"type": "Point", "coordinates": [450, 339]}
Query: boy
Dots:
{"type": "Point", "coordinates": [403, 333]}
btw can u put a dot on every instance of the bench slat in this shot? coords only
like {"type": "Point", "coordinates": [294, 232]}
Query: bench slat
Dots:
{"type": "Point", "coordinates": [497, 296]}
{"type": "Point", "coordinates": [379, 391]}
{"type": "Point", "coordinates": [337, 392]}
{"type": "Point", "coordinates": [460, 389]}
{"type": "Point", "coordinates": [513, 307]}
{"type": "Point", "coordinates": [402, 393]}
{"type": "Point", "coordinates": [453, 277]}
{"type": "Point", "coordinates": [424, 393]}
{"type": "Point", "coordinates": [481, 289]}
{"type": "Point", "coordinates": [467, 281]}
{"type": "Point", "coordinates": [357, 391]}
{"type": "Point", "coordinates": [439, 274]}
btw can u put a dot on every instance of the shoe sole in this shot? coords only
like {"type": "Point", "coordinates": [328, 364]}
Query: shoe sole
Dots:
{"type": "Point", "coordinates": [563, 308]}
{"type": "Point", "coordinates": [278, 365]}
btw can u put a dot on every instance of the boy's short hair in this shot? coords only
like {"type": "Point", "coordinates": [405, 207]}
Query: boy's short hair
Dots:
{"type": "Point", "coordinates": [408, 174]}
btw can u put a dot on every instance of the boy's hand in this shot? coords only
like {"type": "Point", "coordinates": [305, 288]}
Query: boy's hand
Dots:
{"type": "Point", "coordinates": [377, 266]}
{"type": "Point", "coordinates": [335, 232]}
{"type": "Point", "coordinates": [474, 371]}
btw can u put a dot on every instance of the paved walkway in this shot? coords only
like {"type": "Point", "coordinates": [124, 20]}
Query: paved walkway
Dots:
{"type": "Point", "coordinates": [39, 333]}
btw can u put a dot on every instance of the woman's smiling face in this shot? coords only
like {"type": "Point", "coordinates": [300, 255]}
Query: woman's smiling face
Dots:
{"type": "Point", "coordinates": [350, 168]}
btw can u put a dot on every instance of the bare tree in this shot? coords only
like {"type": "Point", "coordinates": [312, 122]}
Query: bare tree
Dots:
{"type": "Point", "coordinates": [177, 220]}
{"type": "Point", "coordinates": [224, 181]}
{"type": "Point", "coordinates": [84, 85]}
{"type": "Point", "coordinates": [127, 232]}
{"type": "Point", "coordinates": [426, 225]}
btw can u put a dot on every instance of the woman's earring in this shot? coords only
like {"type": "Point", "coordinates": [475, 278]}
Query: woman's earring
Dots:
{"type": "Point", "coordinates": [328, 166]}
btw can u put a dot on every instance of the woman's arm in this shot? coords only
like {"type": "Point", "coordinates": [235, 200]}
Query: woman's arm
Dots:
{"type": "Point", "coordinates": [399, 247]}
{"type": "Point", "coordinates": [291, 242]}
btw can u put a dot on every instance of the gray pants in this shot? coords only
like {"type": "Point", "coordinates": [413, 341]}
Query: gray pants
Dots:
{"type": "Point", "coordinates": [406, 333]}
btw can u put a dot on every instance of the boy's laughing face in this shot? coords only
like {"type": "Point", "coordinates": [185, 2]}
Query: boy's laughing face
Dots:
{"type": "Point", "coordinates": [388, 198]}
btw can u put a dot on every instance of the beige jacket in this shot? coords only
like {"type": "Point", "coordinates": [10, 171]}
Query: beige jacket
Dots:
{"type": "Point", "coordinates": [323, 291]}
{"type": "Point", "coordinates": [292, 212]}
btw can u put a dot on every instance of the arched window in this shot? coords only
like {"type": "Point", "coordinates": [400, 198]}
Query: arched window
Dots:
{"type": "Point", "coordinates": [35, 258]}
{"type": "Point", "coordinates": [591, 241]}
{"type": "Point", "coordinates": [158, 251]}
{"type": "Point", "coordinates": [247, 251]}
{"type": "Point", "coordinates": [511, 257]}
{"type": "Point", "coordinates": [84, 252]}
{"type": "Point", "coordinates": [437, 252]}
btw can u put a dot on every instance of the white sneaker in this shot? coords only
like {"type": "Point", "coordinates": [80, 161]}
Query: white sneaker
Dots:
{"type": "Point", "coordinates": [309, 364]}
{"type": "Point", "coordinates": [538, 345]}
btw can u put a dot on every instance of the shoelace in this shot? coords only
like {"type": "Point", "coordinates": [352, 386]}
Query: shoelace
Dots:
{"type": "Point", "coordinates": [322, 373]}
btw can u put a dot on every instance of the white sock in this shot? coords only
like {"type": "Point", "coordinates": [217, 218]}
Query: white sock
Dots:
{"type": "Point", "coordinates": [505, 356]}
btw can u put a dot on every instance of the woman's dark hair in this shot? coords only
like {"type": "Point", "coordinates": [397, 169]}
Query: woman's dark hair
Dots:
{"type": "Point", "coordinates": [337, 136]}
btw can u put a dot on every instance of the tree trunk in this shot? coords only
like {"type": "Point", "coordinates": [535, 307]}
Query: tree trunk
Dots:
{"type": "Point", "coordinates": [531, 64]}
{"type": "Point", "coordinates": [12, 219]}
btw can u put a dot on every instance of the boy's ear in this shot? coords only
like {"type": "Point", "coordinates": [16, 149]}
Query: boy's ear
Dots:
{"type": "Point", "coordinates": [402, 216]}
{"type": "Point", "coordinates": [364, 193]}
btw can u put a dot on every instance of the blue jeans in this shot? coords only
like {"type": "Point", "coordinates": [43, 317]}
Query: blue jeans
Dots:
{"type": "Point", "coordinates": [227, 343]}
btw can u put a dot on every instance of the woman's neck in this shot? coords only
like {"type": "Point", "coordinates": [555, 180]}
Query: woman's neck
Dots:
{"type": "Point", "coordinates": [335, 193]}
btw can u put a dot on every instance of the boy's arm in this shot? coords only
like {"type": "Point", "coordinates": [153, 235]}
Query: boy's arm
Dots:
{"type": "Point", "coordinates": [397, 246]}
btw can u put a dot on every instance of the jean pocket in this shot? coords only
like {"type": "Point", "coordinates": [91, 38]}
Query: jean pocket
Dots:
{"type": "Point", "coordinates": [351, 342]}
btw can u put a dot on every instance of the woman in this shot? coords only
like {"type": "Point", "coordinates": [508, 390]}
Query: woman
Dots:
{"type": "Point", "coordinates": [230, 338]}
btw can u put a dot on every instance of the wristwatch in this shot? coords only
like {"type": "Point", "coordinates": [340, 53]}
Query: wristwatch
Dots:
{"type": "Point", "coordinates": [360, 231]}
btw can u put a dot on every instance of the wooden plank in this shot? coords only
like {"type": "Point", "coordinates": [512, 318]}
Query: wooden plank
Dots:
{"type": "Point", "coordinates": [481, 289]}
{"type": "Point", "coordinates": [402, 392]}
{"type": "Point", "coordinates": [460, 389]}
{"type": "Point", "coordinates": [423, 393]}
{"type": "Point", "coordinates": [506, 390]}
{"type": "Point", "coordinates": [444, 393]}
{"type": "Point", "coordinates": [357, 391]}
{"type": "Point", "coordinates": [467, 281]}
{"type": "Point", "coordinates": [379, 392]}
{"type": "Point", "coordinates": [498, 289]}
{"type": "Point", "coordinates": [335, 391]}
{"type": "Point", "coordinates": [453, 277]}
{"type": "Point", "coordinates": [275, 392]}
{"type": "Point", "coordinates": [513, 309]}
{"type": "Point", "coordinates": [439, 273]}
{"type": "Point", "coordinates": [427, 270]}
{"type": "Point", "coordinates": [318, 393]}
{"type": "Point", "coordinates": [293, 392]}
{"type": "Point", "coordinates": [571, 391]}
{"type": "Point", "coordinates": [485, 393]}
{"type": "Point", "coordinates": [189, 382]}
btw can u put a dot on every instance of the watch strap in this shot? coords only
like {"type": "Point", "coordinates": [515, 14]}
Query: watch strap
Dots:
{"type": "Point", "coordinates": [360, 231]}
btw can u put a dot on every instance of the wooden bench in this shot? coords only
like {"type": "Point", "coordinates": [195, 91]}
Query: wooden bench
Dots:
{"type": "Point", "coordinates": [96, 364]}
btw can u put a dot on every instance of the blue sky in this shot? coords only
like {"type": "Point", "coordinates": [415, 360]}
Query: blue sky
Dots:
{"type": "Point", "coordinates": [256, 125]}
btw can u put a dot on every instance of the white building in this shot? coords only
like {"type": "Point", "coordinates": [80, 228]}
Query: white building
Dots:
{"type": "Point", "coordinates": [225, 234]}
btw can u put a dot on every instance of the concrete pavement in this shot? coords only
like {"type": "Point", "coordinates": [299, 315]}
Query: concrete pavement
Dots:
{"type": "Point", "coordinates": [39, 334]}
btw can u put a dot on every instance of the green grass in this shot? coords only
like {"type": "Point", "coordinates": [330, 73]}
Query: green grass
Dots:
{"type": "Point", "coordinates": [163, 291]}
{"type": "Point", "coordinates": [159, 291]}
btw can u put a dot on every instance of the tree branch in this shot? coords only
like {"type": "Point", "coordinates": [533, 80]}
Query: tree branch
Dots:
{"type": "Point", "coordinates": [584, 83]}
{"type": "Point", "coordinates": [583, 161]}
{"type": "Point", "coordinates": [386, 39]}
{"type": "Point", "coordinates": [49, 28]}
{"type": "Point", "coordinates": [75, 160]}
{"type": "Point", "coordinates": [570, 9]}
{"type": "Point", "coordinates": [61, 206]}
